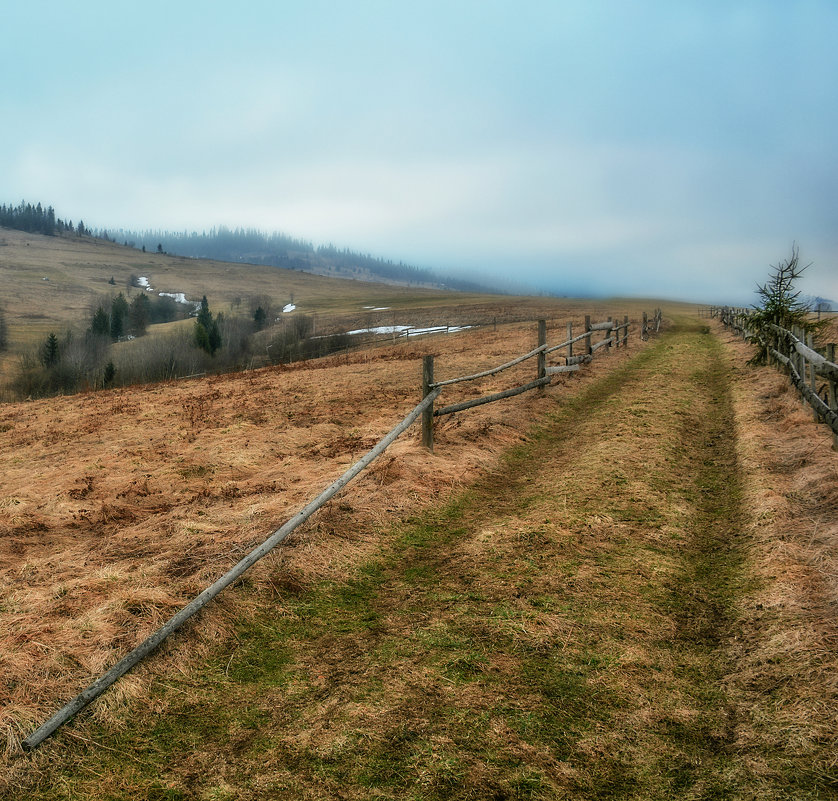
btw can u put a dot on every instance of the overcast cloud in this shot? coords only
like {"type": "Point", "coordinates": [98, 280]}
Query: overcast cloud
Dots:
{"type": "Point", "coordinates": [645, 148]}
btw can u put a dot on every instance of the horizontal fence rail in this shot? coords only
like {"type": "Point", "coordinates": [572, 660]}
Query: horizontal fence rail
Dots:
{"type": "Point", "coordinates": [796, 351]}
{"type": "Point", "coordinates": [494, 370]}
{"type": "Point", "coordinates": [615, 335]}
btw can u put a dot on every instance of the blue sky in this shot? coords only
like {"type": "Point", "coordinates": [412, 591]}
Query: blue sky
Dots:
{"type": "Point", "coordinates": [645, 148]}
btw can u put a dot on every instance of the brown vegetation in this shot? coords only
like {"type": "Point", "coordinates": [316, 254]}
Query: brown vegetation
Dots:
{"type": "Point", "coordinates": [788, 659]}
{"type": "Point", "coordinates": [118, 506]}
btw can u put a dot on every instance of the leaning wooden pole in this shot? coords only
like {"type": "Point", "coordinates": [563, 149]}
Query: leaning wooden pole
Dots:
{"type": "Point", "coordinates": [141, 651]}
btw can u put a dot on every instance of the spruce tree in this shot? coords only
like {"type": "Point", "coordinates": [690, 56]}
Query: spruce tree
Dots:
{"type": "Point", "coordinates": [49, 351]}
{"type": "Point", "coordinates": [780, 305]}
{"type": "Point", "coordinates": [207, 333]}
{"type": "Point", "coordinates": [100, 324]}
{"type": "Point", "coordinates": [139, 313]}
{"type": "Point", "coordinates": [259, 318]}
{"type": "Point", "coordinates": [119, 311]}
{"type": "Point", "coordinates": [109, 374]}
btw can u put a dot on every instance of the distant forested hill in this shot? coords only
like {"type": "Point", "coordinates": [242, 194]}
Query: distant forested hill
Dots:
{"type": "Point", "coordinates": [251, 246]}
{"type": "Point", "coordinates": [244, 245]}
{"type": "Point", "coordinates": [37, 219]}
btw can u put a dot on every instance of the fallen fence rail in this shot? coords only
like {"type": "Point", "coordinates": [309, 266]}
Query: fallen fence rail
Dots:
{"type": "Point", "coordinates": [147, 646]}
{"type": "Point", "coordinates": [796, 351]}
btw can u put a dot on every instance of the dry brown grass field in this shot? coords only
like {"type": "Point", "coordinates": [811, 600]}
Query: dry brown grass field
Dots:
{"type": "Point", "coordinates": [116, 506]}
{"type": "Point", "coordinates": [639, 604]}
{"type": "Point", "coordinates": [715, 676]}
{"type": "Point", "coordinates": [49, 282]}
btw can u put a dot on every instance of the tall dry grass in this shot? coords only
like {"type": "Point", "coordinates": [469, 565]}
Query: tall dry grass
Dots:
{"type": "Point", "coordinates": [116, 507]}
{"type": "Point", "coordinates": [788, 657]}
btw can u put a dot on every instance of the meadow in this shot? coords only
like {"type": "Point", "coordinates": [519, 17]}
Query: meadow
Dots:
{"type": "Point", "coordinates": [622, 586]}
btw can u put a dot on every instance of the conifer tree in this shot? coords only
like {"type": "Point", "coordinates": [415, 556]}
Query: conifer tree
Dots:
{"type": "Point", "coordinates": [49, 351]}
{"type": "Point", "coordinates": [119, 311]}
{"type": "Point", "coordinates": [100, 324]}
{"type": "Point", "coordinates": [780, 305]}
{"type": "Point", "coordinates": [207, 333]}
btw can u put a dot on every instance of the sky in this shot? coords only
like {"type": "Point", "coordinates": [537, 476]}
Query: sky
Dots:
{"type": "Point", "coordinates": [659, 149]}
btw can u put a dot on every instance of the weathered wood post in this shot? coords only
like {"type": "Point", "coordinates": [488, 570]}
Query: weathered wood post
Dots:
{"type": "Point", "coordinates": [625, 330]}
{"type": "Point", "coordinates": [542, 357]}
{"type": "Point", "coordinates": [428, 414]}
{"type": "Point", "coordinates": [644, 328]}
{"type": "Point", "coordinates": [833, 395]}
{"type": "Point", "coordinates": [813, 381]}
{"type": "Point", "coordinates": [799, 361]}
{"type": "Point", "coordinates": [610, 334]}
{"type": "Point", "coordinates": [588, 349]}
{"type": "Point", "coordinates": [569, 343]}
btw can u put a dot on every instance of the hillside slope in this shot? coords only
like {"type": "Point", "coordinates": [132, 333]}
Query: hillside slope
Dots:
{"type": "Point", "coordinates": [50, 280]}
{"type": "Point", "coordinates": [625, 606]}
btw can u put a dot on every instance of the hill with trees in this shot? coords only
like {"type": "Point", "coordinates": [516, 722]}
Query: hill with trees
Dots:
{"type": "Point", "coordinates": [252, 246]}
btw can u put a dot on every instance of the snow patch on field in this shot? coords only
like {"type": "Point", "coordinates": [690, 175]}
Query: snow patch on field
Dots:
{"type": "Point", "coordinates": [178, 297]}
{"type": "Point", "coordinates": [288, 307]}
{"type": "Point", "coordinates": [381, 329]}
{"type": "Point", "coordinates": [409, 330]}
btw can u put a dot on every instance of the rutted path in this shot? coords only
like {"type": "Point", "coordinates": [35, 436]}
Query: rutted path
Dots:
{"type": "Point", "coordinates": [561, 631]}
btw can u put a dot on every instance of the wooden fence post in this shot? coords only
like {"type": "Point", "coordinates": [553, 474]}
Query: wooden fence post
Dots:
{"type": "Point", "coordinates": [610, 335]}
{"type": "Point", "coordinates": [644, 328]}
{"type": "Point", "coordinates": [801, 362]}
{"type": "Point", "coordinates": [569, 343]}
{"type": "Point", "coordinates": [833, 400]}
{"type": "Point", "coordinates": [588, 349]}
{"type": "Point", "coordinates": [428, 414]}
{"type": "Point", "coordinates": [813, 380]}
{"type": "Point", "coordinates": [625, 331]}
{"type": "Point", "coordinates": [542, 357]}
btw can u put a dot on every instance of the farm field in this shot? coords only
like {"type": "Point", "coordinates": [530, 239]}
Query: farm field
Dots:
{"type": "Point", "coordinates": [620, 587]}
{"type": "Point", "coordinates": [55, 280]}
{"type": "Point", "coordinates": [53, 284]}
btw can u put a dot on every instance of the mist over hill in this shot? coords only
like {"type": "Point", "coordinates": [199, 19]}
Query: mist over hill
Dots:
{"type": "Point", "coordinates": [252, 246]}
{"type": "Point", "coordinates": [242, 245]}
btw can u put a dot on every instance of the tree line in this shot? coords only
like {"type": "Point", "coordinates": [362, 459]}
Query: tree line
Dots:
{"type": "Point", "coordinates": [38, 219]}
{"type": "Point", "coordinates": [111, 347]}
{"type": "Point", "coordinates": [251, 246]}
{"type": "Point", "coordinates": [242, 245]}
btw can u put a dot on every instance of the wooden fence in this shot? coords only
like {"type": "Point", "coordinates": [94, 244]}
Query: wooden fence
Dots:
{"type": "Point", "coordinates": [811, 368]}
{"type": "Point", "coordinates": [615, 335]}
